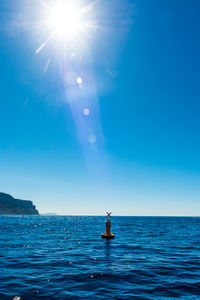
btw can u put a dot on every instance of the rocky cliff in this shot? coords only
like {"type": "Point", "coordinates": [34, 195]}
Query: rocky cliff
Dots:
{"type": "Point", "coordinates": [12, 206]}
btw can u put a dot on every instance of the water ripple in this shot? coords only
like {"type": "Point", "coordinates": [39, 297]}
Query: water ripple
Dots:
{"type": "Point", "coordinates": [65, 258]}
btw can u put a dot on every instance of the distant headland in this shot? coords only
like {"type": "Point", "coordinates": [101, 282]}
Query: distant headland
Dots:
{"type": "Point", "coordinates": [12, 206]}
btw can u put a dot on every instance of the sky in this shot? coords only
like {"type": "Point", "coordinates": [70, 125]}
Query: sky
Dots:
{"type": "Point", "coordinates": [105, 117]}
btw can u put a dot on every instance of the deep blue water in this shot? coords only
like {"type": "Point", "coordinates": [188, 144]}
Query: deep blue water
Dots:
{"type": "Point", "coordinates": [65, 258]}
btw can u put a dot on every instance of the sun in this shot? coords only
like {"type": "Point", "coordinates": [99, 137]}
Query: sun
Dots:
{"type": "Point", "coordinates": [65, 25]}
{"type": "Point", "coordinates": [65, 20]}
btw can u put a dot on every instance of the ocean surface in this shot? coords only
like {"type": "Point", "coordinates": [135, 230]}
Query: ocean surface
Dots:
{"type": "Point", "coordinates": [65, 258]}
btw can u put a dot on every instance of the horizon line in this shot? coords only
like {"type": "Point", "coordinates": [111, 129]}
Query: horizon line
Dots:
{"type": "Point", "coordinates": [85, 215]}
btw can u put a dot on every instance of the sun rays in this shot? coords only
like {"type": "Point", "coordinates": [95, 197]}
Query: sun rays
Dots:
{"type": "Point", "coordinates": [65, 24]}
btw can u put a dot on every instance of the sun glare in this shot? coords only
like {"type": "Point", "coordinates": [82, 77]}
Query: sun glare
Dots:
{"type": "Point", "coordinates": [66, 25]}
{"type": "Point", "coordinates": [65, 20]}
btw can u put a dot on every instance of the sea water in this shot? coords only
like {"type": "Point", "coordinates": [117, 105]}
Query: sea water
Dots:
{"type": "Point", "coordinates": [64, 257]}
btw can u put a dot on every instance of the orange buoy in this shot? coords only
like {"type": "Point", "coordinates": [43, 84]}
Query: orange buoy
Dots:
{"type": "Point", "coordinates": [108, 234]}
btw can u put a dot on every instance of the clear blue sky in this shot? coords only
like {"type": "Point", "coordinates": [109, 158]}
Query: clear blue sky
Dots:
{"type": "Point", "coordinates": [137, 74]}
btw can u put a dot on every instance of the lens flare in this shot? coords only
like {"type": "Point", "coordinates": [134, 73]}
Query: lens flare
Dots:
{"type": "Point", "coordinates": [92, 138]}
{"type": "Point", "coordinates": [86, 111]}
{"type": "Point", "coordinates": [79, 80]}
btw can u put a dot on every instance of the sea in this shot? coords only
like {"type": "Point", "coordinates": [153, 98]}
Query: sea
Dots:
{"type": "Point", "coordinates": [64, 257]}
